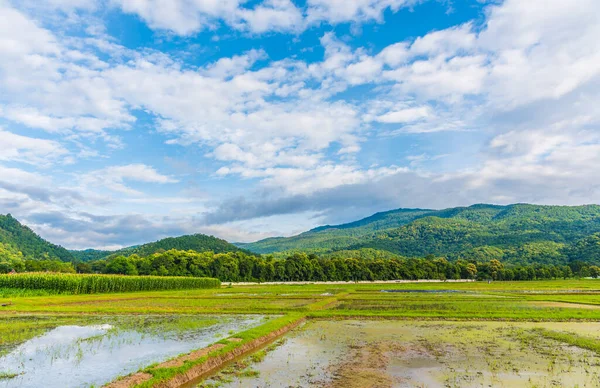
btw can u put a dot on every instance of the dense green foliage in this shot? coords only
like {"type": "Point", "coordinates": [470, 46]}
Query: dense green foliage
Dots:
{"type": "Point", "coordinates": [10, 258]}
{"type": "Point", "coordinates": [90, 254]}
{"type": "Point", "coordinates": [518, 234]}
{"type": "Point", "coordinates": [524, 238]}
{"type": "Point", "coordinates": [19, 238]}
{"type": "Point", "coordinates": [90, 284]}
{"type": "Point", "coordinates": [348, 266]}
{"type": "Point", "coordinates": [19, 244]}
{"type": "Point", "coordinates": [194, 242]}
{"type": "Point", "coordinates": [335, 237]}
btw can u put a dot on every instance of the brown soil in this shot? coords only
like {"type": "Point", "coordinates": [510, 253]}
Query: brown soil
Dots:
{"type": "Point", "coordinates": [233, 339]}
{"type": "Point", "coordinates": [130, 381]}
{"type": "Point", "coordinates": [189, 357]}
{"type": "Point", "coordinates": [366, 367]}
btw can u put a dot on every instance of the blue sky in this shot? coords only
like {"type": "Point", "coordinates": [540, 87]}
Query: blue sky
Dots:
{"type": "Point", "coordinates": [125, 121]}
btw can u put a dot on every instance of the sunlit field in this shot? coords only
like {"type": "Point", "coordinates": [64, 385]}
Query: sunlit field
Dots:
{"type": "Point", "coordinates": [518, 333]}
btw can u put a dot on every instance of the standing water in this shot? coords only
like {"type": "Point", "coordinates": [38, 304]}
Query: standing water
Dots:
{"type": "Point", "coordinates": [93, 355]}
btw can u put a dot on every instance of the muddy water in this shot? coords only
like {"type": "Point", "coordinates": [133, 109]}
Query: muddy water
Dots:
{"type": "Point", "coordinates": [85, 356]}
{"type": "Point", "coordinates": [302, 360]}
{"type": "Point", "coordinates": [422, 354]}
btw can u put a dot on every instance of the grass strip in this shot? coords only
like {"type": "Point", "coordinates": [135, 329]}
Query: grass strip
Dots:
{"type": "Point", "coordinates": [573, 339]}
{"type": "Point", "coordinates": [250, 340]}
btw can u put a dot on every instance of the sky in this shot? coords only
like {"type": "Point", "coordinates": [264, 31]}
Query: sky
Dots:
{"type": "Point", "coordinates": [126, 121]}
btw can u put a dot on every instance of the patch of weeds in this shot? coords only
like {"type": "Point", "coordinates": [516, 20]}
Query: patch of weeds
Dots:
{"type": "Point", "coordinates": [249, 373]}
{"type": "Point", "coordinates": [572, 339]}
{"type": "Point", "coordinates": [8, 375]}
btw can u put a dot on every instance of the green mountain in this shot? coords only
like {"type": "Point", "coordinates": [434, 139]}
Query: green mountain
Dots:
{"type": "Point", "coordinates": [519, 233]}
{"type": "Point", "coordinates": [18, 238]}
{"type": "Point", "coordinates": [195, 242]}
{"type": "Point", "coordinates": [335, 237]}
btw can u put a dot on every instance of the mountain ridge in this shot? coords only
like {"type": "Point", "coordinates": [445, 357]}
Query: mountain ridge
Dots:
{"type": "Point", "coordinates": [516, 233]}
{"type": "Point", "coordinates": [196, 242]}
{"type": "Point", "coordinates": [19, 242]}
{"type": "Point", "coordinates": [450, 232]}
{"type": "Point", "coordinates": [21, 238]}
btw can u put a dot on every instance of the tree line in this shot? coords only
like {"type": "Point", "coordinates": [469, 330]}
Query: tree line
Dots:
{"type": "Point", "coordinates": [239, 266]}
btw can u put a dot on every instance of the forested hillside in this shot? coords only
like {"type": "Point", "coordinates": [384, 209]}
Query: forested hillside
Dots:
{"type": "Point", "coordinates": [195, 242]}
{"type": "Point", "coordinates": [518, 233]}
{"type": "Point", "coordinates": [335, 237]}
{"type": "Point", "coordinates": [22, 249]}
{"type": "Point", "coordinates": [18, 238]}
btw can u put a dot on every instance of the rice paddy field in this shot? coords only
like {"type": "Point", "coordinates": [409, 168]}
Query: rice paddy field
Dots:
{"type": "Point", "coordinates": [505, 334]}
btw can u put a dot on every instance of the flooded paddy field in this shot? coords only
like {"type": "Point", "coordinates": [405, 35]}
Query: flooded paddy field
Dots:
{"type": "Point", "coordinates": [359, 353]}
{"type": "Point", "coordinates": [511, 334]}
{"type": "Point", "coordinates": [92, 351]}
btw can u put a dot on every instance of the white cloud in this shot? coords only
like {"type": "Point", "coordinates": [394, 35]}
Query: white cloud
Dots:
{"type": "Point", "coordinates": [185, 17]}
{"type": "Point", "coordinates": [405, 115]}
{"type": "Point", "coordinates": [544, 50]}
{"type": "Point", "coordinates": [115, 177]}
{"type": "Point", "coordinates": [339, 11]}
{"type": "Point", "coordinates": [236, 65]}
{"type": "Point", "coordinates": [51, 86]}
{"type": "Point", "coordinates": [271, 15]}
{"type": "Point", "coordinates": [446, 42]}
{"type": "Point", "coordinates": [64, 5]}
{"type": "Point", "coordinates": [24, 149]}
{"type": "Point", "coordinates": [293, 181]}
{"type": "Point", "coordinates": [19, 36]}
{"type": "Point", "coordinates": [527, 80]}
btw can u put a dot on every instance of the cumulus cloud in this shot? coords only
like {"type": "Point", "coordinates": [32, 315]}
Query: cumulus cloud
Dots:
{"type": "Point", "coordinates": [405, 115]}
{"type": "Point", "coordinates": [52, 86]}
{"type": "Point", "coordinates": [525, 82]}
{"type": "Point", "coordinates": [339, 11]}
{"type": "Point", "coordinates": [185, 17]}
{"type": "Point", "coordinates": [114, 177]}
{"type": "Point", "coordinates": [29, 150]}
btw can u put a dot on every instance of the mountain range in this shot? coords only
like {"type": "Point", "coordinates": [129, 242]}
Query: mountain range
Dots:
{"type": "Point", "coordinates": [513, 233]}
{"type": "Point", "coordinates": [519, 233]}
{"type": "Point", "coordinates": [17, 238]}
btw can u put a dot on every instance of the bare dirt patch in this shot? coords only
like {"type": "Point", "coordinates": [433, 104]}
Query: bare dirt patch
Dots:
{"type": "Point", "coordinates": [365, 367]}
{"type": "Point", "coordinates": [190, 356]}
{"type": "Point", "coordinates": [130, 381]}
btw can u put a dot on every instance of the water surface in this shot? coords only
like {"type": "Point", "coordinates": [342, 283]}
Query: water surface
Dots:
{"type": "Point", "coordinates": [93, 355]}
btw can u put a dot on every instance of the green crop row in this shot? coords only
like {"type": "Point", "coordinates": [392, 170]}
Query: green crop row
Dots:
{"type": "Point", "coordinates": [91, 284]}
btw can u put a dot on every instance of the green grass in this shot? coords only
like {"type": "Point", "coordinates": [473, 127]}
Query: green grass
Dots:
{"type": "Point", "coordinates": [499, 300]}
{"type": "Point", "coordinates": [28, 314]}
{"type": "Point", "coordinates": [20, 292]}
{"type": "Point", "coordinates": [160, 375]}
{"type": "Point", "coordinates": [7, 375]}
{"type": "Point", "coordinates": [572, 339]}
